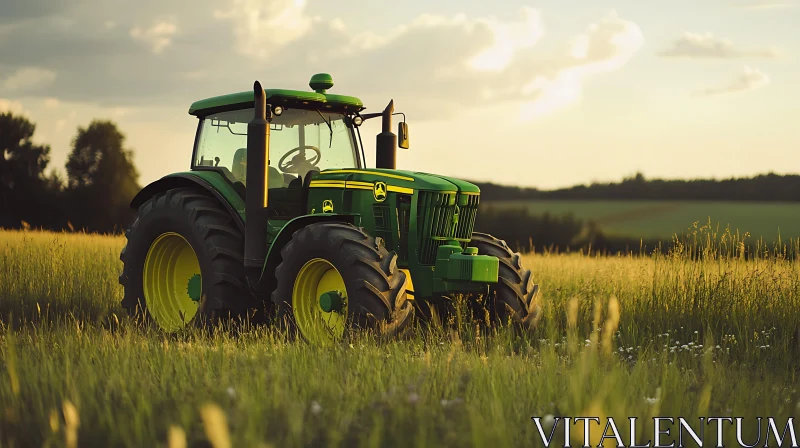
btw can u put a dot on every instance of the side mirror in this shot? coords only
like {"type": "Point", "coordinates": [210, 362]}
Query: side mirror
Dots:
{"type": "Point", "coordinates": [402, 135]}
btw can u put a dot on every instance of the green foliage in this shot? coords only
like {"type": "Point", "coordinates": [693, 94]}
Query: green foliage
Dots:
{"type": "Point", "coordinates": [101, 177]}
{"type": "Point", "coordinates": [764, 187]}
{"type": "Point", "coordinates": [699, 331]}
{"type": "Point", "coordinates": [24, 189]}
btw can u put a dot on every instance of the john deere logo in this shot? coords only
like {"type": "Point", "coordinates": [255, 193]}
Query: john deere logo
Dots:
{"type": "Point", "coordinates": [327, 206]}
{"type": "Point", "coordinates": [379, 191]}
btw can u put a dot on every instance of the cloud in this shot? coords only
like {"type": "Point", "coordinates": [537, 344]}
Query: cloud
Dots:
{"type": "Point", "coordinates": [158, 36]}
{"type": "Point", "coordinates": [707, 46]}
{"type": "Point", "coordinates": [11, 12]}
{"type": "Point", "coordinates": [14, 107]}
{"type": "Point", "coordinates": [749, 79]}
{"type": "Point", "coordinates": [605, 47]}
{"type": "Point", "coordinates": [261, 26]}
{"type": "Point", "coordinates": [434, 66]}
{"type": "Point", "coordinates": [27, 79]}
{"type": "Point", "coordinates": [509, 38]}
{"type": "Point", "coordinates": [51, 103]}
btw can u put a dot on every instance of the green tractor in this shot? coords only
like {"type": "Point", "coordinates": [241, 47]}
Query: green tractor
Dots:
{"type": "Point", "coordinates": [279, 212]}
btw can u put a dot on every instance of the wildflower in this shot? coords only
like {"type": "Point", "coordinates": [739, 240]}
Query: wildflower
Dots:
{"type": "Point", "coordinates": [231, 392]}
{"type": "Point", "coordinates": [446, 403]}
{"type": "Point", "coordinates": [548, 420]}
{"type": "Point", "coordinates": [316, 408]}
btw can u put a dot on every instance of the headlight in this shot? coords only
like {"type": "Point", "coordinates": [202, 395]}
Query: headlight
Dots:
{"type": "Point", "coordinates": [277, 110]}
{"type": "Point", "coordinates": [357, 120]}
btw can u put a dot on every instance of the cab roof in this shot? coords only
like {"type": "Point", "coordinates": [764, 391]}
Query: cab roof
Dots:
{"type": "Point", "coordinates": [320, 82]}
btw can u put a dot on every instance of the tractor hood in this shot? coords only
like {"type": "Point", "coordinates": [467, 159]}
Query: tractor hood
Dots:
{"type": "Point", "coordinates": [398, 180]}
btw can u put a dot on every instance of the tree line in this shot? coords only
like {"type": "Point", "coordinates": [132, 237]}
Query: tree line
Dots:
{"type": "Point", "coordinates": [95, 196]}
{"type": "Point", "coordinates": [101, 180]}
{"type": "Point", "coordinates": [765, 187]}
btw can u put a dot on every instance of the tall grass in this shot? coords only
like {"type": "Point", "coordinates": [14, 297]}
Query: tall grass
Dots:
{"type": "Point", "coordinates": [673, 335]}
{"type": "Point", "coordinates": [59, 274]}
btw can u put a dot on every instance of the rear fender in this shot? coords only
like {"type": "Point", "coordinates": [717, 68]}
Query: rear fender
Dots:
{"type": "Point", "coordinates": [208, 181]}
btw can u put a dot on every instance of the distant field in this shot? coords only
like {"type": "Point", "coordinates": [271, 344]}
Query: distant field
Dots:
{"type": "Point", "coordinates": [663, 219]}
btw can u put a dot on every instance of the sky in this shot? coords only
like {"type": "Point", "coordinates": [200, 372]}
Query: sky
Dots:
{"type": "Point", "coordinates": [544, 94]}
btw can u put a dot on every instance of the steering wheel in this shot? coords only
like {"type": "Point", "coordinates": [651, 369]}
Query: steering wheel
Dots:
{"type": "Point", "coordinates": [299, 163]}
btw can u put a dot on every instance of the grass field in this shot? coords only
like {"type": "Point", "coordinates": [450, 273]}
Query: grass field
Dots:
{"type": "Point", "coordinates": [623, 336]}
{"type": "Point", "coordinates": [663, 219]}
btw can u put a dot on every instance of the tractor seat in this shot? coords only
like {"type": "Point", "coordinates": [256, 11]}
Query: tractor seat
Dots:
{"type": "Point", "coordinates": [274, 178]}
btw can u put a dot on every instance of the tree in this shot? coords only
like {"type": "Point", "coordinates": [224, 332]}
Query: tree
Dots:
{"type": "Point", "coordinates": [101, 178]}
{"type": "Point", "coordinates": [25, 194]}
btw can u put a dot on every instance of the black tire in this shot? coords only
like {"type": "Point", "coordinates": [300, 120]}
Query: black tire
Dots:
{"type": "Point", "coordinates": [376, 288]}
{"type": "Point", "coordinates": [213, 235]}
{"type": "Point", "coordinates": [513, 297]}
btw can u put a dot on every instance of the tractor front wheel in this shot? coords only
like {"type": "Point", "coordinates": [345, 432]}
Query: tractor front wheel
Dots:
{"type": "Point", "coordinates": [513, 297]}
{"type": "Point", "coordinates": [183, 261]}
{"type": "Point", "coordinates": [334, 278]}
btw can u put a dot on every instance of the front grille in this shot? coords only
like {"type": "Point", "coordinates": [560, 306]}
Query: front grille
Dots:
{"type": "Point", "coordinates": [403, 211]}
{"type": "Point", "coordinates": [466, 217]}
{"type": "Point", "coordinates": [436, 221]}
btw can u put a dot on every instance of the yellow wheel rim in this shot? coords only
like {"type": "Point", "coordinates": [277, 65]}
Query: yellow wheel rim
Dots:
{"type": "Point", "coordinates": [168, 268]}
{"type": "Point", "coordinates": [316, 277]}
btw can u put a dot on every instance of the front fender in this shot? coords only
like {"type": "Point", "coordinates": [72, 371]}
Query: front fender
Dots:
{"type": "Point", "coordinates": [267, 279]}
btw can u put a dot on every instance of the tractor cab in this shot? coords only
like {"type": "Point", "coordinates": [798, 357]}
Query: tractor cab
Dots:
{"type": "Point", "coordinates": [308, 132]}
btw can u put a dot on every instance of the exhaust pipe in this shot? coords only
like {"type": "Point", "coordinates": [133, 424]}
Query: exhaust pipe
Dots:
{"type": "Point", "coordinates": [255, 234]}
{"type": "Point", "coordinates": [386, 144]}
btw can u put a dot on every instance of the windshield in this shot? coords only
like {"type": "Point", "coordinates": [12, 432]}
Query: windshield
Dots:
{"type": "Point", "coordinates": [301, 140]}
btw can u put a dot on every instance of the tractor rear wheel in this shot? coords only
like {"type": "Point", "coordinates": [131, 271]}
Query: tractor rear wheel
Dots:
{"type": "Point", "coordinates": [334, 278]}
{"type": "Point", "coordinates": [183, 261]}
{"type": "Point", "coordinates": [513, 297]}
